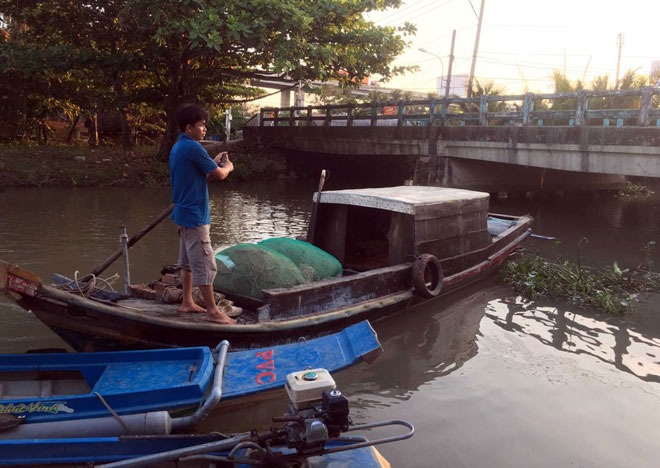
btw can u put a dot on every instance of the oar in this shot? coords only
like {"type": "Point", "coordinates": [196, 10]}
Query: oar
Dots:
{"type": "Point", "coordinates": [315, 205]}
{"type": "Point", "coordinates": [108, 261]}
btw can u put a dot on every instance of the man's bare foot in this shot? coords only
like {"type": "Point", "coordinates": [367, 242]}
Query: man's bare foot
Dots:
{"type": "Point", "coordinates": [191, 308]}
{"type": "Point", "coordinates": [219, 317]}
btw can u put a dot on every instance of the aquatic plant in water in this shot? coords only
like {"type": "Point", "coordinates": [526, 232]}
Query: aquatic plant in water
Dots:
{"type": "Point", "coordinates": [632, 190]}
{"type": "Point", "coordinates": [611, 289]}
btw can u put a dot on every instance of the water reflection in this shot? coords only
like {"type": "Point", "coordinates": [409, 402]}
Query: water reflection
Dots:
{"type": "Point", "coordinates": [437, 340]}
{"type": "Point", "coordinates": [240, 217]}
{"type": "Point", "coordinates": [611, 340]}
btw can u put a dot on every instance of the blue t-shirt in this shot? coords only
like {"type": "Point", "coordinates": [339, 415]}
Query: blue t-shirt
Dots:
{"type": "Point", "coordinates": [189, 165]}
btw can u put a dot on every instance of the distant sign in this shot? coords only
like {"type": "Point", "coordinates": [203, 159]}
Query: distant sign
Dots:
{"type": "Point", "coordinates": [457, 87]}
{"type": "Point", "coordinates": [389, 110]}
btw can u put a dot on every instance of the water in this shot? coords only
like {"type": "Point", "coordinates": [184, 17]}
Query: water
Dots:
{"type": "Point", "coordinates": [486, 378]}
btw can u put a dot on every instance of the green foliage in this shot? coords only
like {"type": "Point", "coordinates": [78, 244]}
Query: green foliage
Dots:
{"type": "Point", "coordinates": [610, 289]}
{"type": "Point", "coordinates": [487, 88]}
{"type": "Point", "coordinates": [130, 55]}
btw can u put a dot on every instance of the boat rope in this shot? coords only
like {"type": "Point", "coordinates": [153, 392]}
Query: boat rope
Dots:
{"type": "Point", "coordinates": [88, 288]}
{"type": "Point", "coordinates": [117, 417]}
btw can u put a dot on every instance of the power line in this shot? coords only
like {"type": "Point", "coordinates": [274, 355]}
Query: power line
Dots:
{"type": "Point", "coordinates": [447, 35]}
{"type": "Point", "coordinates": [398, 11]}
{"type": "Point", "coordinates": [473, 10]}
{"type": "Point", "coordinates": [561, 54]}
{"type": "Point", "coordinates": [408, 18]}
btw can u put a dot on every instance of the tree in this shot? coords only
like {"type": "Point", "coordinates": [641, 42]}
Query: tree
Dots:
{"type": "Point", "coordinates": [30, 93]}
{"type": "Point", "coordinates": [488, 88]}
{"type": "Point", "coordinates": [176, 51]}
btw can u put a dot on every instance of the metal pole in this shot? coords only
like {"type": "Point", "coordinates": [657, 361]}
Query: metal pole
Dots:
{"type": "Point", "coordinates": [476, 48]}
{"type": "Point", "coordinates": [618, 60]}
{"type": "Point", "coordinates": [124, 250]}
{"type": "Point", "coordinates": [445, 102]}
{"type": "Point", "coordinates": [442, 64]}
{"type": "Point", "coordinates": [451, 61]}
{"type": "Point", "coordinates": [227, 124]}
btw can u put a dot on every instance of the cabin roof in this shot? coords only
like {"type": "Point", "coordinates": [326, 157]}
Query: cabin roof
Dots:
{"type": "Point", "coordinates": [402, 199]}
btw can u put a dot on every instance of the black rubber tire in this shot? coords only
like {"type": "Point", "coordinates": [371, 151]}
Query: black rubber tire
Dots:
{"type": "Point", "coordinates": [427, 276]}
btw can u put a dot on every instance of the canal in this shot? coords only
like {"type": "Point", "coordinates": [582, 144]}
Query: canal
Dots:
{"type": "Point", "coordinates": [487, 378]}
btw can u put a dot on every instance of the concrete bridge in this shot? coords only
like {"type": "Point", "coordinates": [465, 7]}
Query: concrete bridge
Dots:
{"type": "Point", "coordinates": [513, 147]}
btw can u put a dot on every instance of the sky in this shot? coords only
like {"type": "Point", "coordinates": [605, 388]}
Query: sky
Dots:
{"type": "Point", "coordinates": [522, 41]}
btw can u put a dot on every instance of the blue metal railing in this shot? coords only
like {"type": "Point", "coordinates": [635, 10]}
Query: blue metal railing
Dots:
{"type": "Point", "coordinates": [573, 109]}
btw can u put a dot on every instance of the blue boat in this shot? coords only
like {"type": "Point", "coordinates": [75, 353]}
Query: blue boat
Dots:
{"type": "Point", "coordinates": [116, 449]}
{"type": "Point", "coordinates": [59, 390]}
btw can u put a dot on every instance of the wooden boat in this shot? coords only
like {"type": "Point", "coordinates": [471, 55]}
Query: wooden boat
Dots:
{"type": "Point", "coordinates": [398, 246]}
{"type": "Point", "coordinates": [85, 388]}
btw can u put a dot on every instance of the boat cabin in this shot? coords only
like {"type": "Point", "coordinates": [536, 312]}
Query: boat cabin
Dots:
{"type": "Point", "coordinates": [378, 227]}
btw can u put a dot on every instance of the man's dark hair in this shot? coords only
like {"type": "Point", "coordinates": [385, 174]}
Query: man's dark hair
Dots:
{"type": "Point", "coordinates": [190, 114]}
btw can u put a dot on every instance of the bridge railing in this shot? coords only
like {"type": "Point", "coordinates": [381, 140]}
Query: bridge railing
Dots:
{"type": "Point", "coordinates": [630, 107]}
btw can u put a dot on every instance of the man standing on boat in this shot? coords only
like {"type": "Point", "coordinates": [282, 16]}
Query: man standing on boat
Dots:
{"type": "Point", "coordinates": [190, 168]}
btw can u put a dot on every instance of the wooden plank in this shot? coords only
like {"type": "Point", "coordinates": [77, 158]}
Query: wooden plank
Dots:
{"type": "Point", "coordinates": [331, 232]}
{"type": "Point", "coordinates": [450, 226]}
{"type": "Point", "coordinates": [452, 246]}
{"type": "Point", "coordinates": [25, 274]}
{"type": "Point", "coordinates": [3, 275]}
{"type": "Point", "coordinates": [450, 208]}
{"type": "Point", "coordinates": [401, 239]}
{"type": "Point", "coordinates": [337, 292]}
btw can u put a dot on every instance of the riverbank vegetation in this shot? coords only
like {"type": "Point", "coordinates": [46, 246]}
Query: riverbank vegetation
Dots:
{"type": "Point", "coordinates": [610, 289]}
{"type": "Point", "coordinates": [32, 165]}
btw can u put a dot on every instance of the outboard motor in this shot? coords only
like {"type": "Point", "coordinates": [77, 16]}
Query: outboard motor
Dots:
{"type": "Point", "coordinates": [318, 411]}
{"type": "Point", "coordinates": [314, 426]}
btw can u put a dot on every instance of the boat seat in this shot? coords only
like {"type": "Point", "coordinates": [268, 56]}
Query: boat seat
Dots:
{"type": "Point", "coordinates": [29, 385]}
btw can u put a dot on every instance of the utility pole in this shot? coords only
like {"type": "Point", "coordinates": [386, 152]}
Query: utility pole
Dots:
{"type": "Point", "coordinates": [618, 60]}
{"type": "Point", "coordinates": [451, 60]}
{"type": "Point", "coordinates": [476, 48]}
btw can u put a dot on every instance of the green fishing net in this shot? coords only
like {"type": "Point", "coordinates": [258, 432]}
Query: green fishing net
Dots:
{"type": "Point", "coordinates": [316, 264]}
{"type": "Point", "coordinates": [248, 269]}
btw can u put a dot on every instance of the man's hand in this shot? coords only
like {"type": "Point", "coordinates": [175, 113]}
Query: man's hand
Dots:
{"type": "Point", "coordinates": [221, 158]}
{"type": "Point", "coordinates": [225, 166]}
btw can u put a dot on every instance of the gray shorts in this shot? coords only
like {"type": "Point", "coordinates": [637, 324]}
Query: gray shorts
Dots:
{"type": "Point", "coordinates": [196, 254]}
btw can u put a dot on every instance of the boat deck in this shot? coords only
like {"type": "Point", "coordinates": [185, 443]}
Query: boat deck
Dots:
{"type": "Point", "coordinates": [157, 309]}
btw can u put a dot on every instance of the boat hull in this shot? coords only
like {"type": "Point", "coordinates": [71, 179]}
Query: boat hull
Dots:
{"type": "Point", "coordinates": [141, 386]}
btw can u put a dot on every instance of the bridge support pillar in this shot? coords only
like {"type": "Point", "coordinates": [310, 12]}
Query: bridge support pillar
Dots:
{"type": "Point", "coordinates": [498, 177]}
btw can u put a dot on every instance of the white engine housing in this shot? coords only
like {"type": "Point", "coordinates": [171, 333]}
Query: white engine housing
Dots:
{"type": "Point", "coordinates": [306, 387]}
